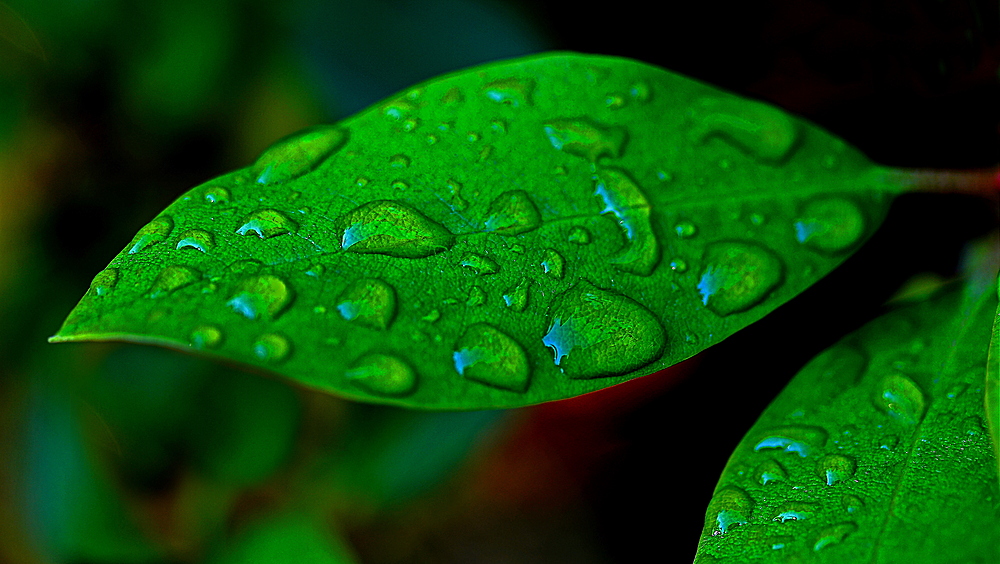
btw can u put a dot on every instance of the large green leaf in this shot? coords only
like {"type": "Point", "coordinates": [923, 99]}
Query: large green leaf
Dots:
{"type": "Point", "coordinates": [876, 452]}
{"type": "Point", "coordinates": [510, 234]}
{"type": "Point", "coordinates": [993, 385]}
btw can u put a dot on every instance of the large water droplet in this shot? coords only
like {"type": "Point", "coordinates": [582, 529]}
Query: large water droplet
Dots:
{"type": "Point", "coordinates": [392, 228]}
{"type": "Point", "coordinates": [836, 468]}
{"type": "Point", "coordinates": [585, 138]}
{"type": "Point", "coordinates": [479, 263]}
{"type": "Point", "coordinates": [104, 281]}
{"type": "Point", "coordinates": [261, 297]}
{"type": "Point", "coordinates": [800, 439]}
{"type": "Point", "coordinates": [594, 333]}
{"type": "Point", "coordinates": [622, 197]}
{"type": "Point", "coordinates": [267, 223]}
{"type": "Point", "coordinates": [833, 534]}
{"type": "Point", "coordinates": [369, 302]}
{"type": "Point", "coordinates": [197, 239]}
{"type": "Point", "coordinates": [512, 213]}
{"type": "Point", "coordinates": [730, 507]}
{"type": "Point", "coordinates": [794, 511]}
{"type": "Point", "coordinates": [206, 337]}
{"type": "Point", "coordinates": [738, 276]}
{"type": "Point", "coordinates": [516, 92]}
{"type": "Point", "coordinates": [151, 234]}
{"type": "Point", "coordinates": [486, 354]}
{"type": "Point", "coordinates": [579, 235]}
{"type": "Point", "coordinates": [901, 398]}
{"type": "Point", "coordinates": [297, 154]}
{"type": "Point", "coordinates": [552, 263]}
{"type": "Point", "coordinates": [272, 347]}
{"type": "Point", "coordinates": [830, 224]}
{"type": "Point", "coordinates": [173, 278]}
{"type": "Point", "coordinates": [758, 129]}
{"type": "Point", "coordinates": [770, 472]}
{"type": "Point", "coordinates": [383, 374]}
{"type": "Point", "coordinates": [516, 298]}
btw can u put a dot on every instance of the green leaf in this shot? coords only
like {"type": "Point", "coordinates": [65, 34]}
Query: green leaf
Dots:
{"type": "Point", "coordinates": [510, 234]}
{"type": "Point", "coordinates": [293, 537]}
{"type": "Point", "coordinates": [993, 385]}
{"type": "Point", "coordinates": [876, 452]}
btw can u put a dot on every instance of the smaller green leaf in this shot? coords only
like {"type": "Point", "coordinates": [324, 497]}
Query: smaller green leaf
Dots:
{"type": "Point", "coordinates": [877, 451]}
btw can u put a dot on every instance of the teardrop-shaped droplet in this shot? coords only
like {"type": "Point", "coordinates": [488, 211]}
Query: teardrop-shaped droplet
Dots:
{"type": "Point", "coordinates": [383, 374]}
{"type": "Point", "coordinates": [685, 230]}
{"type": "Point", "coordinates": [640, 91]}
{"type": "Point", "coordinates": [392, 228]}
{"type": "Point", "coordinates": [206, 337]}
{"type": "Point", "coordinates": [512, 213]}
{"type": "Point", "coordinates": [595, 333]}
{"type": "Point", "coordinates": [888, 442]}
{"type": "Point", "coordinates": [552, 263]}
{"type": "Point", "coordinates": [830, 224]}
{"type": "Point", "coordinates": [369, 302]}
{"type": "Point", "coordinates": [215, 194]}
{"type": "Point", "coordinates": [621, 196]}
{"type": "Point", "coordinates": [516, 298]}
{"type": "Point", "coordinates": [835, 468]}
{"type": "Point", "coordinates": [586, 138]}
{"type": "Point", "coordinates": [579, 235]}
{"type": "Point", "coordinates": [730, 507]}
{"type": "Point", "coordinates": [852, 503]}
{"type": "Point", "coordinates": [399, 161]}
{"type": "Point", "coordinates": [498, 126]}
{"type": "Point", "coordinates": [477, 297]}
{"type": "Point", "coordinates": [261, 297]}
{"type": "Point", "coordinates": [198, 239]}
{"type": "Point", "coordinates": [738, 276]}
{"type": "Point", "coordinates": [151, 234]}
{"type": "Point", "coordinates": [272, 347]}
{"type": "Point", "coordinates": [515, 92]}
{"type": "Point", "coordinates": [173, 278]}
{"type": "Point", "coordinates": [794, 511]}
{"type": "Point", "coordinates": [770, 472]}
{"type": "Point", "coordinates": [104, 281]}
{"type": "Point", "coordinates": [297, 154]}
{"type": "Point", "coordinates": [479, 263]}
{"type": "Point", "coordinates": [834, 534]}
{"type": "Point", "coordinates": [800, 439]}
{"type": "Point", "coordinates": [762, 131]}
{"type": "Point", "coordinates": [901, 398]}
{"type": "Point", "coordinates": [486, 354]}
{"type": "Point", "coordinates": [267, 223]}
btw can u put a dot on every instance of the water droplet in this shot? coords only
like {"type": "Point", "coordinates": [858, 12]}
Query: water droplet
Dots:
{"type": "Point", "coordinates": [472, 137]}
{"type": "Point", "coordinates": [397, 110]}
{"type": "Point", "coordinates": [800, 439]}
{"type": "Point", "coordinates": [685, 230]}
{"type": "Point", "coordinates": [585, 138]}
{"type": "Point", "coordinates": [623, 198]}
{"type": "Point", "coordinates": [516, 298]}
{"type": "Point", "coordinates": [730, 507]}
{"type": "Point", "coordinates": [830, 224]}
{"type": "Point", "coordinates": [452, 96]}
{"type": "Point", "coordinates": [640, 91]}
{"type": "Point", "coordinates": [485, 153]}
{"type": "Point", "coordinates": [392, 228]}
{"type": "Point", "coordinates": [432, 316]}
{"type": "Point", "coordinates": [664, 176]}
{"type": "Point", "coordinates": [261, 297]}
{"type": "Point", "coordinates": [315, 270]}
{"type": "Point", "coordinates": [552, 263]}
{"type": "Point", "coordinates": [399, 161]}
{"type": "Point", "coordinates": [272, 347]}
{"type": "Point", "coordinates": [757, 219]}
{"type": "Point", "coordinates": [480, 264]}
{"type": "Point", "coordinates": [267, 223]}
{"type": "Point", "coordinates": [794, 511]}
{"type": "Point", "coordinates": [486, 354]}
{"type": "Point", "coordinates": [973, 426]}
{"type": "Point", "coordinates": [477, 297]}
{"type": "Point", "coordinates": [835, 468]}
{"type": "Point", "coordinates": [770, 472]}
{"type": "Point", "coordinates": [516, 248]}
{"type": "Point", "coordinates": [319, 309]}
{"type": "Point", "coordinates": [215, 195]}
{"type": "Point", "coordinates": [758, 129]}
{"type": "Point", "coordinates": [414, 94]}
{"type": "Point", "coordinates": [361, 182]}
{"type": "Point", "coordinates": [833, 534]}
{"type": "Point", "coordinates": [298, 154]}
{"type": "Point", "coordinates": [410, 124]}
{"type": "Point", "coordinates": [595, 333]}
{"type": "Point", "coordinates": [901, 398]}
{"type": "Point", "coordinates": [197, 239]}
{"type": "Point", "coordinates": [104, 281]}
{"type": "Point", "coordinates": [369, 302]}
{"type": "Point", "coordinates": [431, 139]}
{"type": "Point", "coordinates": [383, 374]}
{"type": "Point", "coordinates": [579, 235]}
{"type": "Point", "coordinates": [512, 213]}
{"type": "Point", "coordinates": [515, 92]}
{"type": "Point", "coordinates": [614, 102]}
{"type": "Point", "coordinates": [151, 234]}
{"type": "Point", "coordinates": [399, 185]}
{"type": "Point", "coordinates": [888, 442]}
{"type": "Point", "coordinates": [678, 265]}
{"type": "Point", "coordinates": [738, 276]}
{"type": "Point", "coordinates": [206, 337]}
{"type": "Point", "coordinates": [957, 390]}
{"type": "Point", "coordinates": [245, 267]}
{"type": "Point", "coordinates": [173, 278]}
{"type": "Point", "coordinates": [453, 195]}
{"type": "Point", "coordinates": [779, 542]}
{"type": "Point", "coordinates": [852, 503]}
{"type": "Point", "coordinates": [498, 126]}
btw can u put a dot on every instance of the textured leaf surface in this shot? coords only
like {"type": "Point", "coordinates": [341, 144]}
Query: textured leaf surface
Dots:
{"type": "Point", "coordinates": [510, 234]}
{"type": "Point", "coordinates": [993, 387]}
{"type": "Point", "coordinates": [876, 452]}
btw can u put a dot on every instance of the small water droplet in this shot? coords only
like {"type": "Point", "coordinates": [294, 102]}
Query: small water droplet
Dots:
{"type": "Point", "coordinates": [517, 249]}
{"type": "Point", "coordinates": [685, 230]}
{"type": "Point", "coordinates": [399, 161]}
{"type": "Point", "coordinates": [614, 101]}
{"type": "Point", "coordinates": [585, 138]}
{"type": "Point", "coordinates": [215, 195]}
{"type": "Point", "coordinates": [622, 197]}
{"type": "Point", "coordinates": [640, 91]}
{"type": "Point", "coordinates": [800, 439]}
{"type": "Point", "coordinates": [198, 239]}
{"type": "Point", "coordinates": [596, 333]}
{"type": "Point", "coordinates": [206, 337]}
{"type": "Point", "coordinates": [479, 263]}
{"type": "Point", "coordinates": [758, 129]}
{"type": "Point", "coordinates": [779, 542]}
{"type": "Point", "coordinates": [957, 390]}
{"type": "Point", "coordinates": [833, 534]}
{"type": "Point", "coordinates": [151, 234]}
{"type": "Point", "coordinates": [888, 442]}
{"type": "Point", "coordinates": [410, 124]}
{"type": "Point", "coordinates": [315, 270]}
{"type": "Point", "coordinates": [679, 266]}
{"type": "Point", "coordinates": [794, 511]}
{"type": "Point", "coordinates": [738, 276]}
{"type": "Point", "coordinates": [512, 213]}
{"type": "Point", "coordinates": [477, 297]}
{"type": "Point", "coordinates": [431, 139]}
{"type": "Point", "coordinates": [664, 176]}
{"type": "Point", "coordinates": [579, 235]}
{"type": "Point", "coordinates": [472, 137]}
{"type": "Point", "coordinates": [272, 347]}
{"type": "Point", "coordinates": [245, 267]}
{"type": "Point", "coordinates": [516, 298]}
{"type": "Point", "coordinates": [383, 374]}
{"type": "Point", "coordinates": [267, 223]}
{"type": "Point", "coordinates": [498, 126]}
{"type": "Point", "coordinates": [432, 316]}
{"type": "Point", "coordinates": [757, 219]}
{"type": "Point", "coordinates": [830, 224]}
{"type": "Point", "coordinates": [515, 92]}
{"type": "Point", "coordinates": [104, 282]}
{"type": "Point", "coordinates": [319, 309]}
{"type": "Point", "coordinates": [485, 153]}
{"type": "Point", "coordinates": [552, 263]}
{"type": "Point", "coordinates": [399, 185]}
{"type": "Point", "coordinates": [836, 468]}
{"type": "Point", "coordinates": [369, 302]}
{"type": "Point", "coordinates": [298, 154]}
{"type": "Point", "coordinates": [261, 297]}
{"type": "Point", "coordinates": [852, 503]}
{"type": "Point", "coordinates": [361, 182]}
{"type": "Point", "coordinates": [486, 354]}
{"type": "Point", "coordinates": [973, 426]}
{"type": "Point", "coordinates": [730, 507]}
{"type": "Point", "coordinates": [173, 278]}
{"type": "Point", "coordinates": [398, 110]}
{"type": "Point", "coordinates": [901, 398]}
{"type": "Point", "coordinates": [770, 472]}
{"type": "Point", "coordinates": [392, 228]}
{"type": "Point", "coordinates": [452, 96]}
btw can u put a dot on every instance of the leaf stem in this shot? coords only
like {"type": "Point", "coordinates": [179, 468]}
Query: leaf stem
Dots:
{"type": "Point", "coordinates": [982, 181]}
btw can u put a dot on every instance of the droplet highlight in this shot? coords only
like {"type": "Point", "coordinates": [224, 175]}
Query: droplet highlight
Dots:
{"type": "Point", "coordinates": [552, 263]}
{"type": "Point", "coordinates": [770, 472]}
{"type": "Point", "coordinates": [104, 282]}
{"type": "Point", "coordinates": [836, 468]}
{"type": "Point", "coordinates": [516, 298]}
{"type": "Point", "coordinates": [479, 264]}
{"type": "Point", "coordinates": [738, 276]}
{"type": "Point", "coordinates": [489, 356]}
{"type": "Point", "coordinates": [621, 197]}
{"type": "Point", "coordinates": [151, 234]}
{"type": "Point", "coordinates": [794, 511]}
{"type": "Point", "coordinates": [392, 228]}
{"type": "Point", "coordinates": [197, 239]}
{"type": "Point", "coordinates": [730, 507]}
{"type": "Point", "coordinates": [803, 440]}
{"type": "Point", "coordinates": [267, 223]}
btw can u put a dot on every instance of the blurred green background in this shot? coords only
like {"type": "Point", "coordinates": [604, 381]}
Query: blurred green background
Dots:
{"type": "Point", "coordinates": [110, 109]}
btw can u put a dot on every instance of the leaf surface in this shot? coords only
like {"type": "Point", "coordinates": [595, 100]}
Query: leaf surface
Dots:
{"type": "Point", "coordinates": [514, 233]}
{"type": "Point", "coordinates": [877, 451]}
